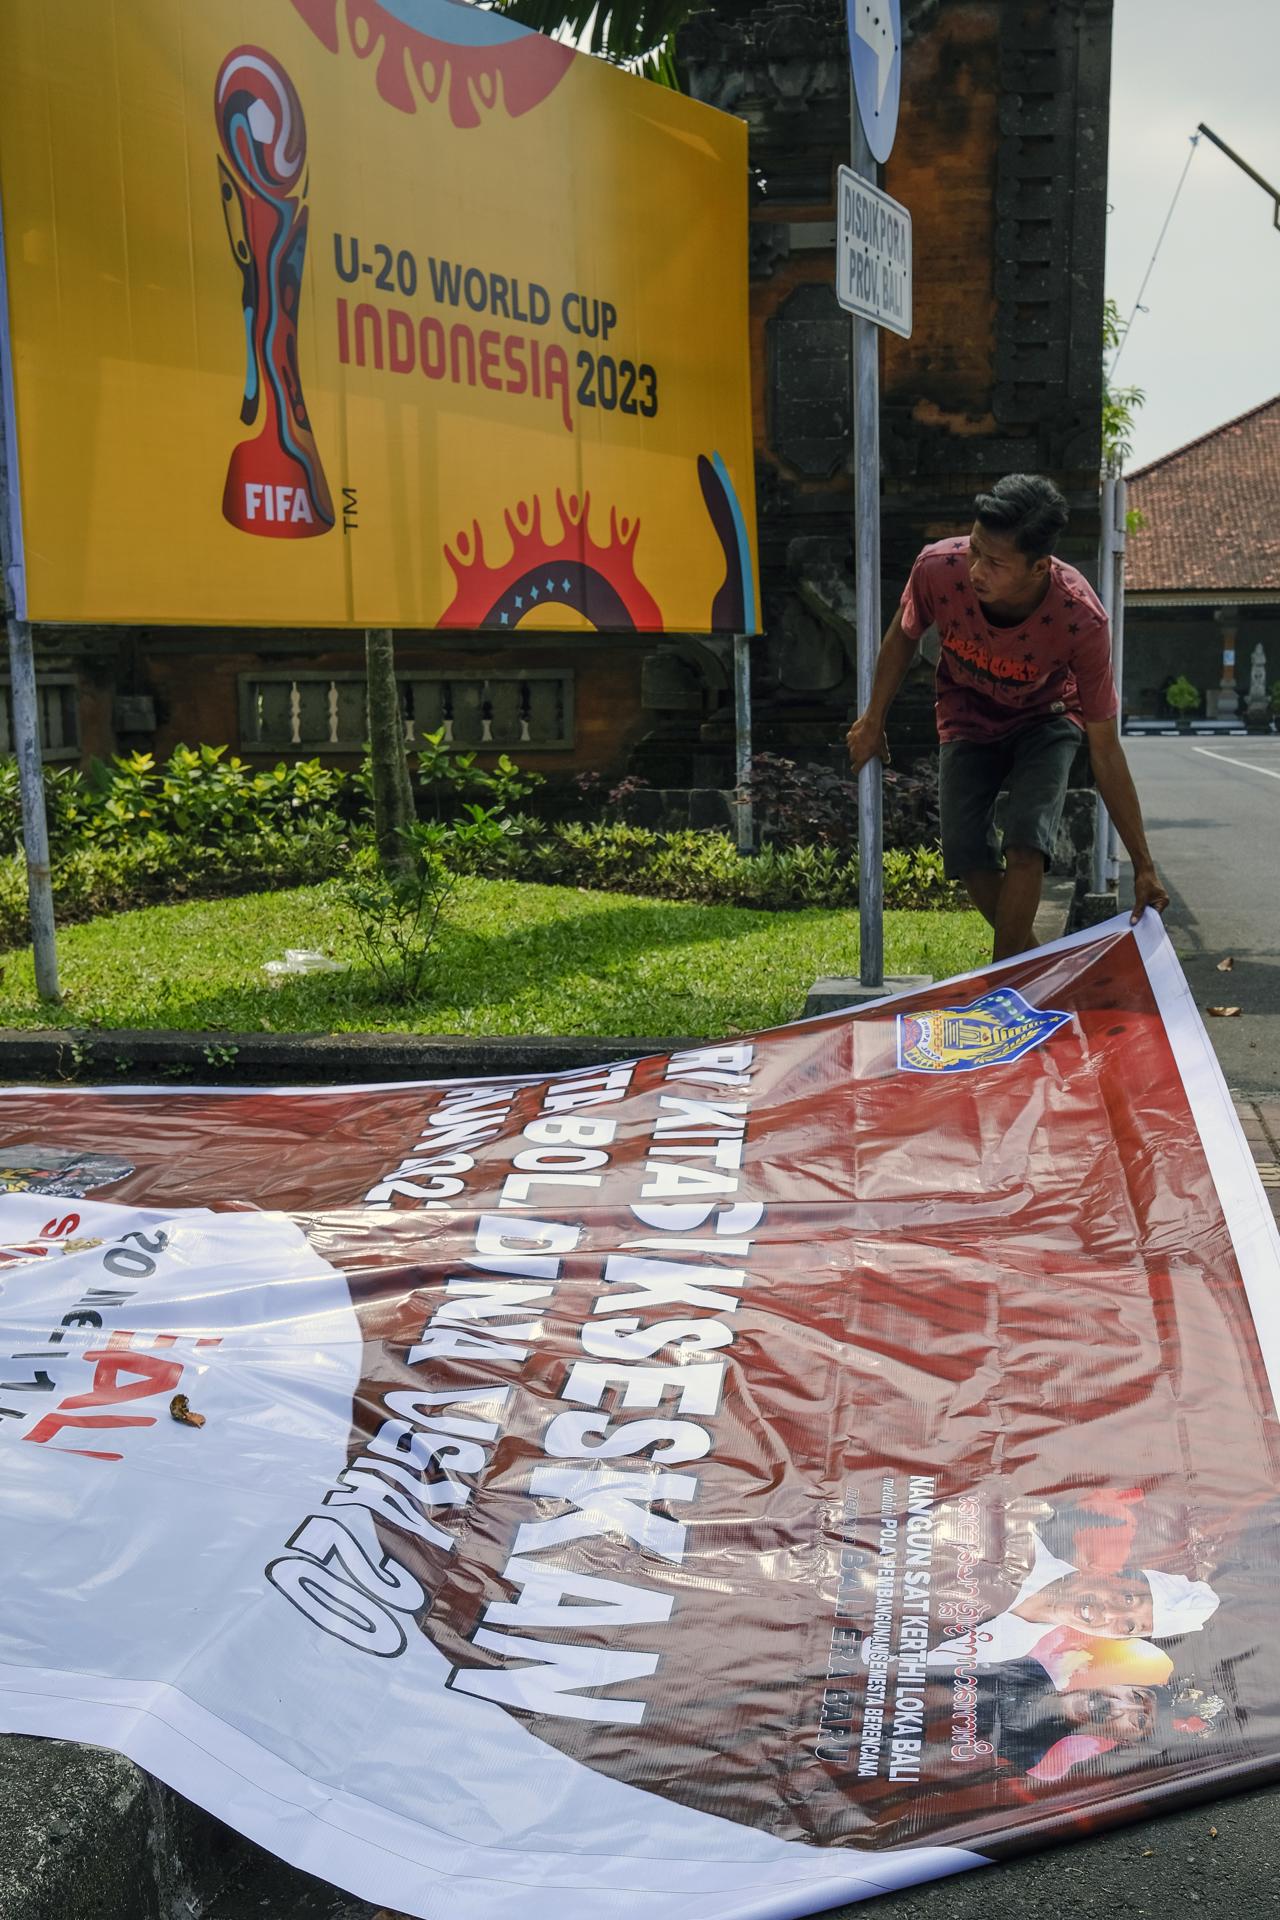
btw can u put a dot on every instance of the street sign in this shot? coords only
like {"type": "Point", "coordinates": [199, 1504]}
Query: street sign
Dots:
{"type": "Point", "coordinates": [875, 50]}
{"type": "Point", "coordinates": [873, 255]}
{"type": "Point", "coordinates": [873, 282]}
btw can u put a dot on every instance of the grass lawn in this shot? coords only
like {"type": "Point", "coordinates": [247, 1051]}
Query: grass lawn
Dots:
{"type": "Point", "coordinates": [514, 958]}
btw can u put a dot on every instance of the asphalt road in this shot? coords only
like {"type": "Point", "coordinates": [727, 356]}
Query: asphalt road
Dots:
{"type": "Point", "coordinates": [1212, 807]}
{"type": "Point", "coordinates": [1221, 1859]}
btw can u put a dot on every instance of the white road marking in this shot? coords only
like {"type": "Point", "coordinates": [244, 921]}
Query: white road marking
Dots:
{"type": "Point", "coordinates": [1249, 765]}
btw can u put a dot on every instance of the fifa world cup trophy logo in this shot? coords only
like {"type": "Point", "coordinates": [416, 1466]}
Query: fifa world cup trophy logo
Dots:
{"type": "Point", "coordinates": [275, 483]}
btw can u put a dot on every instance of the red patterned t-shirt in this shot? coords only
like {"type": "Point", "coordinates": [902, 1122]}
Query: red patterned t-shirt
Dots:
{"type": "Point", "coordinates": [991, 680]}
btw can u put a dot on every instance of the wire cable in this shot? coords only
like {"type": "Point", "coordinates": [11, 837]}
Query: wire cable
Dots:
{"type": "Point", "coordinates": [1137, 305]}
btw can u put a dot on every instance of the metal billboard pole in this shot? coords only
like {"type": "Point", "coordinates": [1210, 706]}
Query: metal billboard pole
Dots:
{"type": "Point", "coordinates": [743, 811]}
{"type": "Point", "coordinates": [22, 671]}
{"type": "Point", "coordinates": [35, 830]}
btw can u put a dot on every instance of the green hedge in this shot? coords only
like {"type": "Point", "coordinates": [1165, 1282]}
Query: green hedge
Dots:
{"type": "Point", "coordinates": [158, 867]}
{"type": "Point", "coordinates": [199, 794]}
{"type": "Point", "coordinates": [133, 833]}
{"type": "Point", "coordinates": [707, 867]}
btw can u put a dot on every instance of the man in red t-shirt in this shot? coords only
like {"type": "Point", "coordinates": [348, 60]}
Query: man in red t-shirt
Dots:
{"type": "Point", "coordinates": [1024, 669]}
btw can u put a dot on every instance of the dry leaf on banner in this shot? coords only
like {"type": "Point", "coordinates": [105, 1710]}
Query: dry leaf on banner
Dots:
{"type": "Point", "coordinates": [1225, 966]}
{"type": "Point", "coordinates": [180, 1408]}
{"type": "Point", "coordinates": [1223, 1013]}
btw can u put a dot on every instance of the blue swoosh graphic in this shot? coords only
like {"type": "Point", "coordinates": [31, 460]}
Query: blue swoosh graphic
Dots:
{"type": "Point", "coordinates": [452, 21]}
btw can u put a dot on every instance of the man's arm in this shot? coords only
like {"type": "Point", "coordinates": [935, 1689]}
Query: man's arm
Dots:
{"type": "Point", "coordinates": [866, 737]}
{"type": "Point", "coordinates": [1119, 796]}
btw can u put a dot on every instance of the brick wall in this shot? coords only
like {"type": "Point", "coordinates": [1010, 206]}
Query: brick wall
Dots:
{"type": "Point", "coordinates": [1001, 157]}
{"type": "Point", "coordinates": [195, 681]}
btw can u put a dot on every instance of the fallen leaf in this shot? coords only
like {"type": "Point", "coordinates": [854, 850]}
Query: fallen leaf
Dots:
{"type": "Point", "coordinates": [180, 1408]}
{"type": "Point", "coordinates": [1223, 1013]}
{"type": "Point", "coordinates": [1225, 966]}
{"type": "Point", "coordinates": [1147, 1852]}
{"type": "Point", "coordinates": [1213, 1833]}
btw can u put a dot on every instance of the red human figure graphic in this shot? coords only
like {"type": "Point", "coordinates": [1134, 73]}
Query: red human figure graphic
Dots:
{"type": "Point", "coordinates": [275, 483]}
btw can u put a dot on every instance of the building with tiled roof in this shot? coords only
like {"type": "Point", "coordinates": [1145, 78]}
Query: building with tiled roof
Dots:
{"type": "Point", "coordinates": [1202, 575]}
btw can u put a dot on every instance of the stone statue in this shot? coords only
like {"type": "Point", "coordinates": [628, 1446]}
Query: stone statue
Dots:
{"type": "Point", "coordinates": [1258, 710]}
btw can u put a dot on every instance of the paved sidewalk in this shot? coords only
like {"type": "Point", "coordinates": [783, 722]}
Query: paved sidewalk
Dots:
{"type": "Point", "coordinates": [1260, 1119]}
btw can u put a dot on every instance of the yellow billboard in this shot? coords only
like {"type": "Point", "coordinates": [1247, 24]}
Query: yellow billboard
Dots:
{"type": "Point", "coordinates": [349, 313]}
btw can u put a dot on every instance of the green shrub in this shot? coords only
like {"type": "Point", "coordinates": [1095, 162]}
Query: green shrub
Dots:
{"type": "Point", "coordinates": [914, 878]}
{"type": "Point", "coordinates": [134, 833]}
{"type": "Point", "coordinates": [1182, 696]}
{"type": "Point", "coordinates": [448, 777]}
{"type": "Point", "coordinates": [808, 805]}
{"type": "Point", "coordinates": [66, 805]}
{"type": "Point", "coordinates": [100, 878]}
{"type": "Point", "coordinates": [690, 865]}
{"type": "Point", "coordinates": [396, 917]}
{"type": "Point", "coordinates": [201, 793]}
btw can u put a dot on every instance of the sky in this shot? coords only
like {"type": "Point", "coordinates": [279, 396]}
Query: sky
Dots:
{"type": "Point", "coordinates": [1208, 347]}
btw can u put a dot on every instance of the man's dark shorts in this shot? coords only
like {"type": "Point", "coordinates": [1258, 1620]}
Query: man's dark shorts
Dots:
{"type": "Point", "coordinates": [1033, 764]}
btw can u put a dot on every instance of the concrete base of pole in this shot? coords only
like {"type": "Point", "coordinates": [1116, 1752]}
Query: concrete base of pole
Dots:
{"type": "Point", "coordinates": [1094, 908]}
{"type": "Point", "coordinates": [834, 992]}
{"type": "Point", "coordinates": [1054, 913]}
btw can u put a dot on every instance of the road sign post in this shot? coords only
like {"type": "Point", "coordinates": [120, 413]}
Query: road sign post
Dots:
{"type": "Point", "coordinates": [866, 544]}
{"type": "Point", "coordinates": [873, 282]}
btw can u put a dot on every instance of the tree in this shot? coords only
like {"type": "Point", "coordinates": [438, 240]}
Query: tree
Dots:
{"type": "Point", "coordinates": [1119, 412]}
{"type": "Point", "coordinates": [1120, 405]}
{"type": "Point", "coordinates": [393, 809]}
{"type": "Point", "coordinates": [633, 33]}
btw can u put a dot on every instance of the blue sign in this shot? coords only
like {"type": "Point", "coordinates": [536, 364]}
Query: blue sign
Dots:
{"type": "Point", "coordinates": [875, 49]}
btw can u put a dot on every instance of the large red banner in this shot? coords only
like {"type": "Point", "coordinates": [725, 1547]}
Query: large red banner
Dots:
{"type": "Point", "coordinates": [742, 1479]}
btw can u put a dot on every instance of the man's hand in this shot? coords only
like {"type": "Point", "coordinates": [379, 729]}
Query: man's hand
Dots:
{"type": "Point", "coordinates": [1147, 892]}
{"type": "Point", "coordinates": [866, 742]}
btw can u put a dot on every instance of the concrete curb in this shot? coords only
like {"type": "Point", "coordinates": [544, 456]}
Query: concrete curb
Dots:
{"type": "Point", "coordinates": [87, 1835]}
{"type": "Point", "coordinates": [1054, 918]}
{"type": "Point", "coordinates": [159, 1054]}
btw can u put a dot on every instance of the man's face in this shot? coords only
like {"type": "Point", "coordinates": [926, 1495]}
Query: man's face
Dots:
{"type": "Point", "coordinates": [1117, 1606]}
{"type": "Point", "coordinates": [1123, 1714]}
{"type": "Point", "coordinates": [999, 573]}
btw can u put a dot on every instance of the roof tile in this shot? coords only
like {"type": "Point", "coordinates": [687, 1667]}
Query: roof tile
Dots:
{"type": "Point", "coordinates": [1211, 512]}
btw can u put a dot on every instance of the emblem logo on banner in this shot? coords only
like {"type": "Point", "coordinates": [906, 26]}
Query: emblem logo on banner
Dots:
{"type": "Point", "coordinates": [275, 483]}
{"type": "Point", "coordinates": [990, 1032]}
{"type": "Point", "coordinates": [61, 1174]}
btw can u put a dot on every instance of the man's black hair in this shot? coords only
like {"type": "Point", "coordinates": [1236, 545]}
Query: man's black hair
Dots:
{"type": "Point", "coordinates": [1028, 507]}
